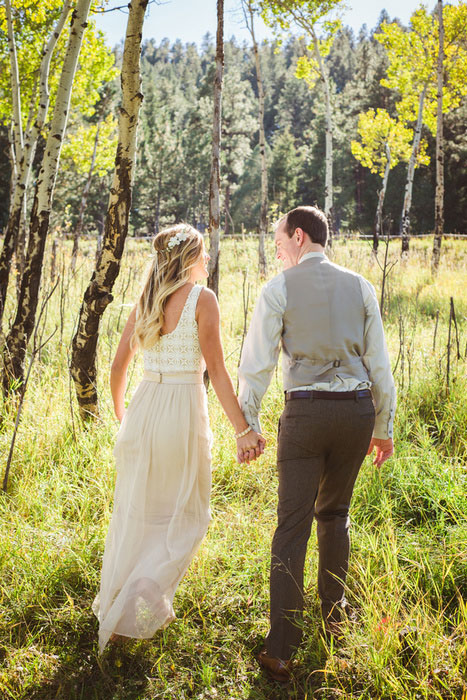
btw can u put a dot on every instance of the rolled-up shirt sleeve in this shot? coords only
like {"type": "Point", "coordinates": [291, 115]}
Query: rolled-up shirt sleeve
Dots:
{"type": "Point", "coordinates": [377, 363]}
{"type": "Point", "coordinates": [261, 349]}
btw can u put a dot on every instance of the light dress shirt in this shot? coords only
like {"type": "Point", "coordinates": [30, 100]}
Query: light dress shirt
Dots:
{"type": "Point", "coordinates": [262, 346]}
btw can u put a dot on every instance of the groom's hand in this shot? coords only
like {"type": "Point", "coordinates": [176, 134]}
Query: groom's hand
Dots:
{"type": "Point", "coordinates": [250, 447]}
{"type": "Point", "coordinates": [384, 450]}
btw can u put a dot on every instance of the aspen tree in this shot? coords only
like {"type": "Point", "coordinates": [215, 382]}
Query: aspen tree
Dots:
{"type": "Point", "coordinates": [413, 72]}
{"type": "Point", "coordinates": [313, 16]}
{"type": "Point", "coordinates": [16, 342]}
{"type": "Point", "coordinates": [215, 181]}
{"type": "Point", "coordinates": [24, 145]}
{"type": "Point", "coordinates": [99, 291]}
{"type": "Point", "coordinates": [248, 12]}
{"type": "Point", "coordinates": [383, 142]}
{"type": "Point", "coordinates": [439, 195]}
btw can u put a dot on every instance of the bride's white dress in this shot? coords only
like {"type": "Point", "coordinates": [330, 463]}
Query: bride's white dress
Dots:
{"type": "Point", "coordinates": [161, 502]}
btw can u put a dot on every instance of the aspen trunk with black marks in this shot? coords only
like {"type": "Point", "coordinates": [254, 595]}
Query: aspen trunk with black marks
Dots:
{"type": "Point", "coordinates": [215, 182]}
{"type": "Point", "coordinates": [381, 196]}
{"type": "Point", "coordinates": [14, 351]}
{"type": "Point", "coordinates": [99, 291]}
{"type": "Point", "coordinates": [16, 131]}
{"type": "Point", "coordinates": [84, 199]}
{"type": "Point", "coordinates": [263, 219]}
{"type": "Point", "coordinates": [329, 158]}
{"type": "Point", "coordinates": [405, 219]}
{"type": "Point", "coordinates": [15, 234]}
{"type": "Point", "coordinates": [439, 195]}
{"type": "Point", "coordinates": [15, 86]}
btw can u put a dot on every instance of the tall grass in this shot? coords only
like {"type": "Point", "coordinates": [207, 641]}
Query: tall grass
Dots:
{"type": "Point", "coordinates": [408, 573]}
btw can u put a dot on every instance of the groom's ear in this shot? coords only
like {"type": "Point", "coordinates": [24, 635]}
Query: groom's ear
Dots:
{"type": "Point", "coordinates": [299, 234]}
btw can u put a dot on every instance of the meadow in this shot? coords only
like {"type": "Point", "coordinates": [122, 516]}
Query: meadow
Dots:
{"type": "Point", "coordinates": [408, 572]}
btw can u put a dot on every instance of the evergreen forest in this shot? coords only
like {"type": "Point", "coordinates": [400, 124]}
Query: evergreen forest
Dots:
{"type": "Point", "coordinates": [174, 141]}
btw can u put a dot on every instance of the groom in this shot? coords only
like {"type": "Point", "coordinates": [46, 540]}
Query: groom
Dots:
{"type": "Point", "coordinates": [339, 405]}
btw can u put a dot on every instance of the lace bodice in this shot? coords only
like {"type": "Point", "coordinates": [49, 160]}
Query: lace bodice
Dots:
{"type": "Point", "coordinates": [179, 351]}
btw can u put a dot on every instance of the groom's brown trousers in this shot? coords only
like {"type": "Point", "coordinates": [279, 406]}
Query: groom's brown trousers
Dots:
{"type": "Point", "coordinates": [321, 446]}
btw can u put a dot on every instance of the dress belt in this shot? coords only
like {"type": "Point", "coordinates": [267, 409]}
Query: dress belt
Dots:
{"type": "Point", "coordinates": [173, 377]}
{"type": "Point", "coordinates": [330, 395]}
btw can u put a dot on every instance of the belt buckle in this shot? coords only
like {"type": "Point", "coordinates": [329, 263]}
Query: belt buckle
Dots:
{"type": "Point", "coordinates": [159, 377]}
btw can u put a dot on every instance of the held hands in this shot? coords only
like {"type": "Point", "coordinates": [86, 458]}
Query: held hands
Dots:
{"type": "Point", "coordinates": [384, 450]}
{"type": "Point", "coordinates": [250, 447]}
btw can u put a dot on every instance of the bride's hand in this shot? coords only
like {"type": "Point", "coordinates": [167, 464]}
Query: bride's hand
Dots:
{"type": "Point", "coordinates": [250, 447]}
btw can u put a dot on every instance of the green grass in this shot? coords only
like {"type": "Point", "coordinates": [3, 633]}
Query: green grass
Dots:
{"type": "Point", "coordinates": [409, 535]}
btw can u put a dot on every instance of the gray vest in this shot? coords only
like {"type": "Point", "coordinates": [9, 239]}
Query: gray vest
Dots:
{"type": "Point", "coordinates": [323, 324]}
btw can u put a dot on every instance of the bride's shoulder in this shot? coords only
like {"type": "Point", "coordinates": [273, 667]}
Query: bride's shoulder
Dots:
{"type": "Point", "coordinates": [207, 302]}
{"type": "Point", "coordinates": [207, 296]}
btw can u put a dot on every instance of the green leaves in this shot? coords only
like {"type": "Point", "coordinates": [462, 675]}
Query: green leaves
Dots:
{"type": "Point", "coordinates": [413, 56]}
{"type": "Point", "coordinates": [78, 149]}
{"type": "Point", "coordinates": [305, 13]}
{"type": "Point", "coordinates": [376, 128]}
{"type": "Point", "coordinates": [33, 23]}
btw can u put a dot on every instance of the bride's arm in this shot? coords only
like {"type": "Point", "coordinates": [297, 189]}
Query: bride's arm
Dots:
{"type": "Point", "coordinates": [210, 341]}
{"type": "Point", "coordinates": [120, 364]}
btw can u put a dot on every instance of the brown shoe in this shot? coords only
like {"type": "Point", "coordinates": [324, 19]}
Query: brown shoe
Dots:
{"type": "Point", "coordinates": [277, 669]}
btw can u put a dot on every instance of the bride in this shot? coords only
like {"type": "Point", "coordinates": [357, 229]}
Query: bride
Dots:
{"type": "Point", "coordinates": [162, 452]}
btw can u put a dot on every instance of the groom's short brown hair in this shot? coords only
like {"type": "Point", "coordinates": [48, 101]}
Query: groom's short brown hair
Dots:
{"type": "Point", "coordinates": [311, 220]}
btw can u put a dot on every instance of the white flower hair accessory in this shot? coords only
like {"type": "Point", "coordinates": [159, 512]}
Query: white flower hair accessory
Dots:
{"type": "Point", "coordinates": [177, 239]}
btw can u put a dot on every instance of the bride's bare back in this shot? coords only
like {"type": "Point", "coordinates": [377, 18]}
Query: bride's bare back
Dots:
{"type": "Point", "coordinates": [174, 307]}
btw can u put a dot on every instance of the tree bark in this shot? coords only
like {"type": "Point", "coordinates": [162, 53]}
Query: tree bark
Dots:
{"type": "Point", "coordinates": [15, 85]}
{"type": "Point", "coordinates": [263, 219]}
{"type": "Point", "coordinates": [16, 342]}
{"type": "Point", "coordinates": [215, 182]}
{"type": "Point", "coordinates": [405, 219]}
{"type": "Point", "coordinates": [439, 195]}
{"type": "Point", "coordinates": [14, 236]}
{"type": "Point", "coordinates": [328, 181]}
{"type": "Point", "coordinates": [158, 199]}
{"type": "Point", "coordinates": [84, 200]}
{"type": "Point", "coordinates": [381, 196]}
{"type": "Point", "coordinates": [99, 291]}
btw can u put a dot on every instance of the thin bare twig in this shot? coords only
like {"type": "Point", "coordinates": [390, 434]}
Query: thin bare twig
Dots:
{"type": "Point", "coordinates": [38, 344]}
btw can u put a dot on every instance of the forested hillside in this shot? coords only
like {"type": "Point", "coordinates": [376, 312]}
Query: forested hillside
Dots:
{"type": "Point", "coordinates": [174, 141]}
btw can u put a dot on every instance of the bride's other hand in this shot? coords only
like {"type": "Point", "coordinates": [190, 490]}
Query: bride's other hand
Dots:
{"type": "Point", "coordinates": [250, 447]}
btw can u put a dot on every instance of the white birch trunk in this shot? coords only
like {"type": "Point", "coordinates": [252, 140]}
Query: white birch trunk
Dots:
{"type": "Point", "coordinates": [215, 182]}
{"type": "Point", "coordinates": [15, 236]}
{"type": "Point", "coordinates": [15, 85]}
{"type": "Point", "coordinates": [99, 291]}
{"type": "Point", "coordinates": [329, 160]}
{"type": "Point", "coordinates": [405, 219]}
{"type": "Point", "coordinates": [263, 219]}
{"type": "Point", "coordinates": [20, 332]}
{"type": "Point", "coordinates": [381, 196]}
{"type": "Point", "coordinates": [439, 195]}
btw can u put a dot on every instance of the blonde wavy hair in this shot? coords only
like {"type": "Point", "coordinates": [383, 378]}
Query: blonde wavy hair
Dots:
{"type": "Point", "coordinates": [170, 270]}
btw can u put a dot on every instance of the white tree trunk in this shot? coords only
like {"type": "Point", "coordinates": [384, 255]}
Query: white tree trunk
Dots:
{"type": "Point", "coordinates": [328, 181]}
{"type": "Point", "coordinates": [16, 233]}
{"type": "Point", "coordinates": [405, 219]}
{"type": "Point", "coordinates": [15, 85]}
{"type": "Point", "coordinates": [215, 182]}
{"type": "Point", "coordinates": [20, 332]}
{"type": "Point", "coordinates": [439, 195]}
{"type": "Point", "coordinates": [381, 196]}
{"type": "Point", "coordinates": [263, 220]}
{"type": "Point", "coordinates": [99, 291]}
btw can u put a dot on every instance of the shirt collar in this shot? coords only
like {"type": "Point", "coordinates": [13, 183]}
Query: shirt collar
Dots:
{"type": "Point", "coordinates": [314, 254]}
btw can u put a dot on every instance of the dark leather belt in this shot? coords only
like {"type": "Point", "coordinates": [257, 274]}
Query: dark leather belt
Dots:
{"type": "Point", "coordinates": [330, 395]}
